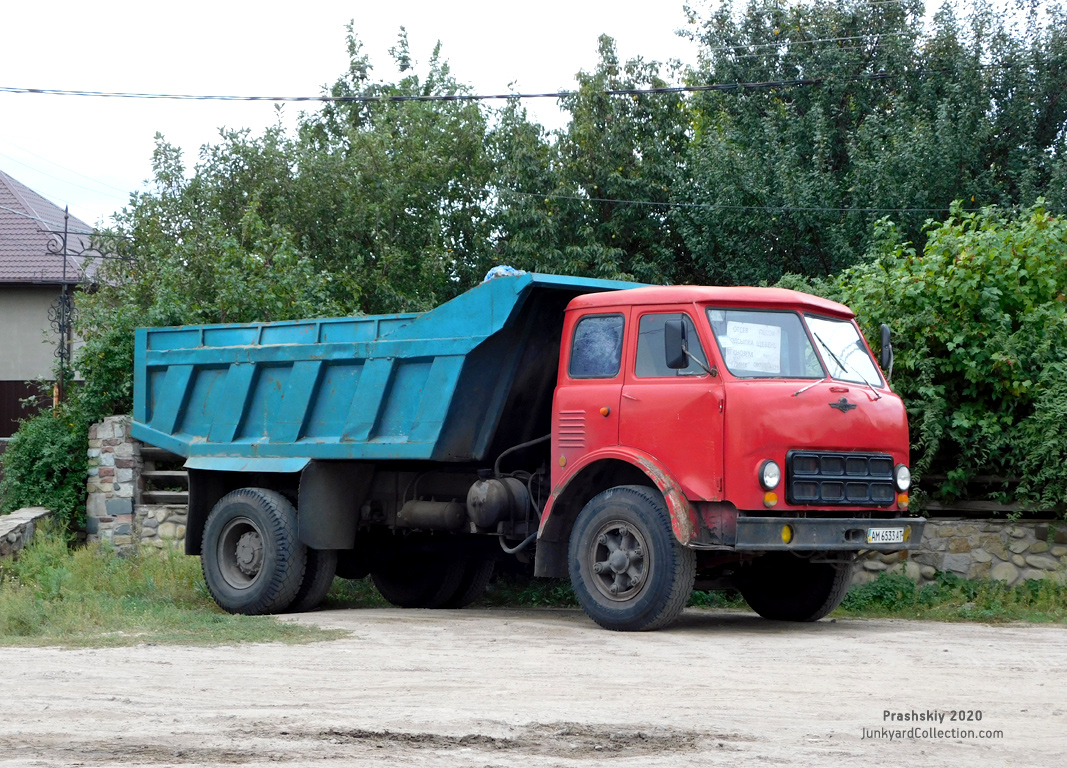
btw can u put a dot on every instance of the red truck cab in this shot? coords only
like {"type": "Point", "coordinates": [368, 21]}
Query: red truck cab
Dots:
{"type": "Point", "coordinates": [750, 428]}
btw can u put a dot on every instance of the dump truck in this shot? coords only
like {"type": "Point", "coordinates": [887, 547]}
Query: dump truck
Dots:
{"type": "Point", "coordinates": [641, 441]}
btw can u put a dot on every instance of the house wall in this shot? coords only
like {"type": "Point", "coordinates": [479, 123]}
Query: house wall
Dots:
{"type": "Point", "coordinates": [26, 352]}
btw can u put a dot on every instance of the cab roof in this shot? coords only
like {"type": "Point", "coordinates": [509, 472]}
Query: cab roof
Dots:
{"type": "Point", "coordinates": [777, 298]}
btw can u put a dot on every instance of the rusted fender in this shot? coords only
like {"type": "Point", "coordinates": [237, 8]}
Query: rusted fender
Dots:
{"type": "Point", "coordinates": [683, 514]}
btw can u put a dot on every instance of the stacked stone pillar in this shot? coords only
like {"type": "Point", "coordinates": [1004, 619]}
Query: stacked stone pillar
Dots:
{"type": "Point", "coordinates": [112, 488]}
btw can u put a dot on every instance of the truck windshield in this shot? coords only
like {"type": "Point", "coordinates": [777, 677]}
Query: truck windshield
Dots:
{"type": "Point", "coordinates": [764, 344]}
{"type": "Point", "coordinates": [844, 352]}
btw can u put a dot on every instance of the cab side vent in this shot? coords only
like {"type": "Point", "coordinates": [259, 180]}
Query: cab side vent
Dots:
{"type": "Point", "coordinates": [571, 429]}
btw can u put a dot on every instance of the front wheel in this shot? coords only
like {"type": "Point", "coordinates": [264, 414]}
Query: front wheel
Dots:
{"type": "Point", "coordinates": [628, 571]}
{"type": "Point", "coordinates": [784, 587]}
{"type": "Point", "coordinates": [252, 561]}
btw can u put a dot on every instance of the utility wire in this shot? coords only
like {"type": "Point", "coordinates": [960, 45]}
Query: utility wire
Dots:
{"type": "Point", "coordinates": [449, 97]}
{"type": "Point", "coordinates": [786, 41]}
{"type": "Point", "coordinates": [43, 221]}
{"type": "Point", "coordinates": [721, 207]}
{"type": "Point", "coordinates": [61, 167]}
{"type": "Point", "coordinates": [64, 181]}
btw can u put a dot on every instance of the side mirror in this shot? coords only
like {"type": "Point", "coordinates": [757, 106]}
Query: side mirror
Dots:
{"type": "Point", "coordinates": [887, 352]}
{"type": "Point", "coordinates": [675, 344]}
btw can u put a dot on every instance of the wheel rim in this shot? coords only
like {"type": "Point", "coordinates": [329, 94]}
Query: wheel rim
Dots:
{"type": "Point", "coordinates": [240, 552]}
{"type": "Point", "coordinates": [620, 560]}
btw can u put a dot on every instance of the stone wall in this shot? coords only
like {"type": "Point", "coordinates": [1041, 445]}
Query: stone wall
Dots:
{"type": "Point", "coordinates": [112, 488]}
{"type": "Point", "coordinates": [160, 525]}
{"type": "Point", "coordinates": [1011, 552]}
{"type": "Point", "coordinates": [17, 529]}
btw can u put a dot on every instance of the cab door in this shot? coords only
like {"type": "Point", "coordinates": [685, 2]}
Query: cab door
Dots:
{"type": "Point", "coordinates": [674, 415]}
{"type": "Point", "coordinates": [586, 407]}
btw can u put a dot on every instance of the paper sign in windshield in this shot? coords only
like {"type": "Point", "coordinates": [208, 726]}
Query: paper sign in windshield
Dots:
{"type": "Point", "coordinates": [753, 347]}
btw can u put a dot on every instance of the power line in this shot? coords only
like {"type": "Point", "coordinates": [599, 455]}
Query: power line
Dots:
{"type": "Point", "coordinates": [786, 41]}
{"type": "Point", "coordinates": [43, 221]}
{"type": "Point", "coordinates": [64, 181]}
{"type": "Point", "coordinates": [448, 97]}
{"type": "Point", "coordinates": [721, 207]}
{"type": "Point", "coordinates": [62, 167]}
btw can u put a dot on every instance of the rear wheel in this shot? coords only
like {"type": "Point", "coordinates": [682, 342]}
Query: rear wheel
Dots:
{"type": "Point", "coordinates": [420, 580]}
{"type": "Point", "coordinates": [318, 576]}
{"type": "Point", "coordinates": [785, 587]}
{"type": "Point", "coordinates": [628, 571]}
{"type": "Point", "coordinates": [252, 561]}
{"type": "Point", "coordinates": [476, 575]}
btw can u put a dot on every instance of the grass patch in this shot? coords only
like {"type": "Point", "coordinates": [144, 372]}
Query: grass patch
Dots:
{"type": "Point", "coordinates": [513, 590]}
{"type": "Point", "coordinates": [91, 597]}
{"type": "Point", "coordinates": [353, 593]}
{"type": "Point", "coordinates": [508, 590]}
{"type": "Point", "coordinates": [950, 598]}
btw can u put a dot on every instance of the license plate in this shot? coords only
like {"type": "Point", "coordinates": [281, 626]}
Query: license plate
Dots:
{"type": "Point", "coordinates": [885, 535]}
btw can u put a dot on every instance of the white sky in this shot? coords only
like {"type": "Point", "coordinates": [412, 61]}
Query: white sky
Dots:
{"type": "Point", "coordinates": [90, 152]}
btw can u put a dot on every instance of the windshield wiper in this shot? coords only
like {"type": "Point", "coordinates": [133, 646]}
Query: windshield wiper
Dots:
{"type": "Point", "coordinates": [844, 367]}
{"type": "Point", "coordinates": [701, 363]}
{"type": "Point", "coordinates": [802, 390]}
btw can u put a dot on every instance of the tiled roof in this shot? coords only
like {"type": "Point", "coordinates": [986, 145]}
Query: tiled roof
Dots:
{"type": "Point", "coordinates": [28, 224]}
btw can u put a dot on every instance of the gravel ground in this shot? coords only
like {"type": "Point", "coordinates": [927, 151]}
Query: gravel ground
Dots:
{"type": "Point", "coordinates": [548, 688]}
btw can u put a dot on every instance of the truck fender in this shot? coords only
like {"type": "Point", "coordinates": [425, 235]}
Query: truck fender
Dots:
{"type": "Point", "coordinates": [683, 515]}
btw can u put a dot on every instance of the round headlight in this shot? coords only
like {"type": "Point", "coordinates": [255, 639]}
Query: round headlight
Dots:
{"type": "Point", "coordinates": [769, 475]}
{"type": "Point", "coordinates": [903, 477]}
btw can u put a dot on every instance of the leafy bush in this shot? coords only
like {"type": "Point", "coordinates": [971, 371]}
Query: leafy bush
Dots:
{"type": "Point", "coordinates": [889, 592]}
{"type": "Point", "coordinates": [46, 464]}
{"type": "Point", "coordinates": [979, 323]}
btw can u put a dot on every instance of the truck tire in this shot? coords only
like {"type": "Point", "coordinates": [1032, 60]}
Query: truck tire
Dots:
{"type": "Point", "coordinates": [420, 580]}
{"type": "Point", "coordinates": [351, 565]}
{"type": "Point", "coordinates": [472, 585]}
{"type": "Point", "coordinates": [784, 587]}
{"type": "Point", "coordinates": [318, 576]}
{"type": "Point", "coordinates": [252, 561]}
{"type": "Point", "coordinates": [628, 571]}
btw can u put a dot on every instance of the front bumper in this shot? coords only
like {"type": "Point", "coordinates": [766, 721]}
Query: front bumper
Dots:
{"type": "Point", "coordinates": [764, 534]}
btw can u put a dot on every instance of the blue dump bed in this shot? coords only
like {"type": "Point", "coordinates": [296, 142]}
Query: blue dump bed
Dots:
{"type": "Point", "coordinates": [459, 383]}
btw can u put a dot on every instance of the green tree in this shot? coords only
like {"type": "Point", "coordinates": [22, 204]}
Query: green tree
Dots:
{"type": "Point", "coordinates": [392, 194]}
{"type": "Point", "coordinates": [872, 114]}
{"type": "Point", "coordinates": [593, 199]}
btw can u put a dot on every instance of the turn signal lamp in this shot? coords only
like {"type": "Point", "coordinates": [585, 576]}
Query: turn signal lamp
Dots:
{"type": "Point", "coordinates": [902, 500]}
{"type": "Point", "coordinates": [770, 499]}
{"type": "Point", "coordinates": [787, 534]}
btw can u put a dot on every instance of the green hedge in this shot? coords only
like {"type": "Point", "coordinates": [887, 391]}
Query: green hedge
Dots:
{"type": "Point", "coordinates": [979, 322]}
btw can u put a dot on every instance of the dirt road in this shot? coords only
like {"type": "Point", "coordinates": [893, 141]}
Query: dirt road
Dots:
{"type": "Point", "coordinates": [547, 688]}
